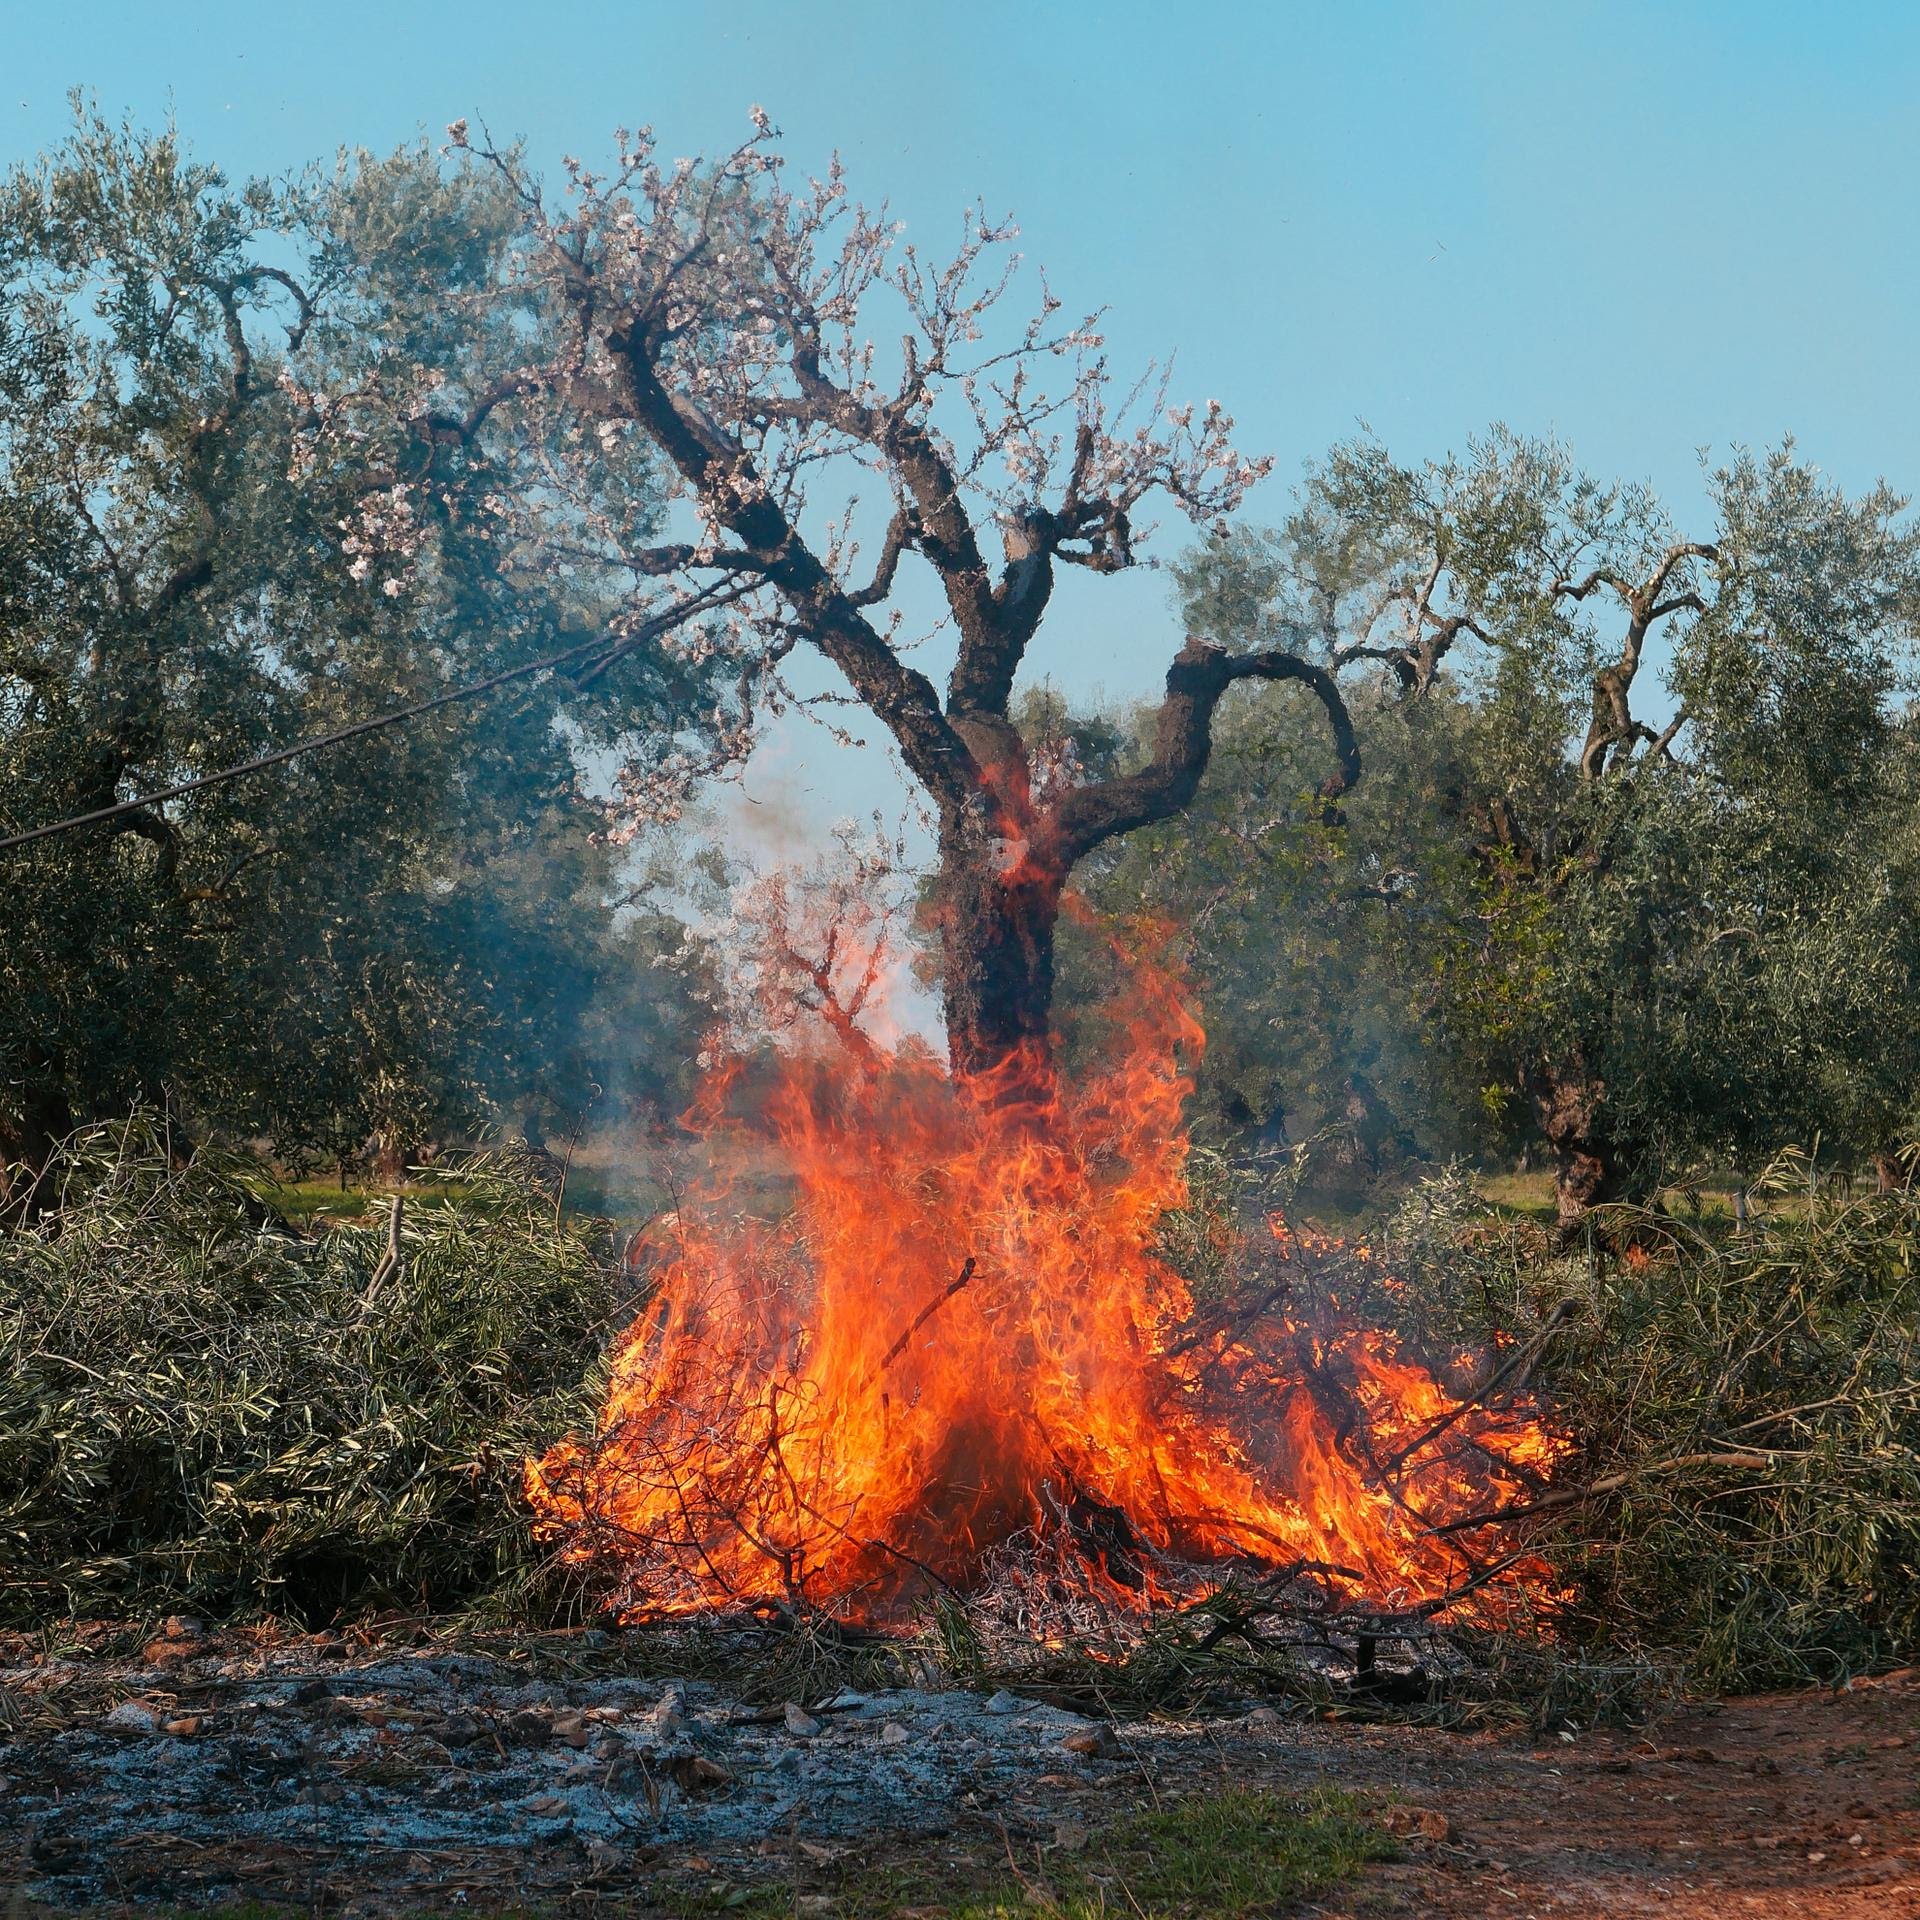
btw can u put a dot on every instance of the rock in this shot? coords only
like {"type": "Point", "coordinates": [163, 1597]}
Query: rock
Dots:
{"type": "Point", "coordinates": [132, 1716]}
{"type": "Point", "coordinates": [1091, 1743]}
{"type": "Point", "coordinates": [893, 1734]}
{"type": "Point", "coordinates": [800, 1722]}
{"type": "Point", "coordinates": [1004, 1702]}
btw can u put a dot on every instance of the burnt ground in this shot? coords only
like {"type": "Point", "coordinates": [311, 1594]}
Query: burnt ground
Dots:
{"type": "Point", "coordinates": [410, 1774]}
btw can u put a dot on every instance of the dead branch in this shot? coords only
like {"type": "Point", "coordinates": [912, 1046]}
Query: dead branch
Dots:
{"type": "Point", "coordinates": [925, 1314]}
{"type": "Point", "coordinates": [1611, 1483]}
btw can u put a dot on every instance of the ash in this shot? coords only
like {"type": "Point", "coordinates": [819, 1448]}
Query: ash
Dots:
{"type": "Point", "coordinates": [211, 1765]}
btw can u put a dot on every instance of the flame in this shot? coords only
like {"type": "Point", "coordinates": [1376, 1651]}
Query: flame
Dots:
{"type": "Point", "coordinates": [962, 1340]}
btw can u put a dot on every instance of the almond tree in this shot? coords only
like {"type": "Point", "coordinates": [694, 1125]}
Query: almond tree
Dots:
{"type": "Point", "coordinates": [729, 322]}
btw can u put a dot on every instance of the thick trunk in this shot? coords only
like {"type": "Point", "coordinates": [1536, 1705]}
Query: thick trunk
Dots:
{"type": "Point", "coordinates": [997, 917]}
{"type": "Point", "coordinates": [1567, 1104]}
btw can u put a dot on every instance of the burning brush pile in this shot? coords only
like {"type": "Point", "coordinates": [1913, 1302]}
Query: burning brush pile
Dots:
{"type": "Point", "coordinates": [962, 1361]}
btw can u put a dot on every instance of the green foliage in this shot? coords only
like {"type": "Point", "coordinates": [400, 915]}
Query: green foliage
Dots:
{"type": "Point", "coordinates": [397, 936]}
{"type": "Point", "coordinates": [1753, 1400]}
{"type": "Point", "coordinates": [1533, 910]}
{"type": "Point", "coordinates": [200, 1407]}
{"type": "Point", "coordinates": [1318, 952]}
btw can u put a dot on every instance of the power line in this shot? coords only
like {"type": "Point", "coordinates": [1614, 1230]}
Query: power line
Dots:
{"type": "Point", "coordinates": [281, 755]}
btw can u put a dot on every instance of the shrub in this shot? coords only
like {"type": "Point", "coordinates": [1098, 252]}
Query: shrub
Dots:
{"type": "Point", "coordinates": [200, 1405]}
{"type": "Point", "coordinates": [1748, 1403]}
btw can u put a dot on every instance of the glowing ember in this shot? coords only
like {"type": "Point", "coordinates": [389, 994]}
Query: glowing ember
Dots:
{"type": "Point", "coordinates": [961, 1342]}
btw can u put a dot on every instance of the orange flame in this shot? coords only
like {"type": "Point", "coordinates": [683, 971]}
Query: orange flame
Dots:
{"type": "Point", "coordinates": [962, 1334]}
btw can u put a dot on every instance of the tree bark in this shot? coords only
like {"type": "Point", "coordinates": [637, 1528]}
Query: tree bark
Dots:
{"type": "Point", "coordinates": [32, 1125]}
{"type": "Point", "coordinates": [1567, 1103]}
{"type": "Point", "coordinates": [997, 909]}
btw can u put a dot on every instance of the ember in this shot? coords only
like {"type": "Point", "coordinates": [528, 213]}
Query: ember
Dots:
{"type": "Point", "coordinates": [962, 1343]}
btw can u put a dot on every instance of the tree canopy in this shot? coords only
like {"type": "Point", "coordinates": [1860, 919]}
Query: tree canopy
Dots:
{"type": "Point", "coordinates": [373, 941]}
{"type": "Point", "coordinates": [1653, 944]}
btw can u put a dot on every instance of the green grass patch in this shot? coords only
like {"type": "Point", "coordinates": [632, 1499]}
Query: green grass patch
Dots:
{"type": "Point", "coordinates": [1209, 1856]}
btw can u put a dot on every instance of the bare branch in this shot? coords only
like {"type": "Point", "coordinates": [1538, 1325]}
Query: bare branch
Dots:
{"type": "Point", "coordinates": [899, 537]}
{"type": "Point", "coordinates": [1183, 742]}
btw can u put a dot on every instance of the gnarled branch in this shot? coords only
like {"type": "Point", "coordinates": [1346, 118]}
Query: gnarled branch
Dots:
{"type": "Point", "coordinates": [1183, 742]}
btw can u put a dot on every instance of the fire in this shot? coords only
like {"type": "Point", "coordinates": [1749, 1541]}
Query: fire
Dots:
{"type": "Point", "coordinates": [961, 1340]}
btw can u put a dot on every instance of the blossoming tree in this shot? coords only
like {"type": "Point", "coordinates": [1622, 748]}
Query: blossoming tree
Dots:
{"type": "Point", "coordinates": [722, 324]}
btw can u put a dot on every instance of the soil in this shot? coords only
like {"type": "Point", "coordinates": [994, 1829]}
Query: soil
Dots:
{"type": "Point", "coordinates": [411, 1773]}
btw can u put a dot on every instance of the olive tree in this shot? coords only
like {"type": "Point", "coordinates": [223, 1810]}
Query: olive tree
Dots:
{"type": "Point", "coordinates": [315, 953]}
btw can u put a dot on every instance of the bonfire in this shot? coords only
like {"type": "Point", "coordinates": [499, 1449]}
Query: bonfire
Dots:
{"type": "Point", "coordinates": [962, 1354]}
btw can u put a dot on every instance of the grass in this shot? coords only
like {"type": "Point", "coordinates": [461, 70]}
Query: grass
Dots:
{"type": "Point", "coordinates": [1529, 1196]}
{"type": "Point", "coordinates": [1210, 1856]}
{"type": "Point", "coordinates": [326, 1202]}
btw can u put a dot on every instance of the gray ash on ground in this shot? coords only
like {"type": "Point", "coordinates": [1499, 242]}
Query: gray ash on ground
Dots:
{"type": "Point", "coordinates": [139, 1778]}
{"type": "Point", "coordinates": [500, 1773]}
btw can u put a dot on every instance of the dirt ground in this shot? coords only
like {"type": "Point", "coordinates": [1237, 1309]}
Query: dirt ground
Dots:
{"type": "Point", "coordinates": [419, 1775]}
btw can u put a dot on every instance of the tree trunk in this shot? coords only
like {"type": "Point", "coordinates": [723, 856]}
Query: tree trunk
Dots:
{"type": "Point", "coordinates": [1567, 1103]}
{"type": "Point", "coordinates": [390, 1158]}
{"type": "Point", "coordinates": [32, 1125]}
{"type": "Point", "coordinates": [997, 913]}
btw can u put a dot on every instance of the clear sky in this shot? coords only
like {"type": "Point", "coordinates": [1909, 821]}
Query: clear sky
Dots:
{"type": "Point", "coordinates": [1646, 227]}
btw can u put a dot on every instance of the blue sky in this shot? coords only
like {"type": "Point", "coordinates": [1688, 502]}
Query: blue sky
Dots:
{"type": "Point", "coordinates": [1648, 228]}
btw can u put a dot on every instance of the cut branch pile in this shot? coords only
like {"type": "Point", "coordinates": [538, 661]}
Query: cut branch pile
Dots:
{"type": "Point", "coordinates": [200, 1406]}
